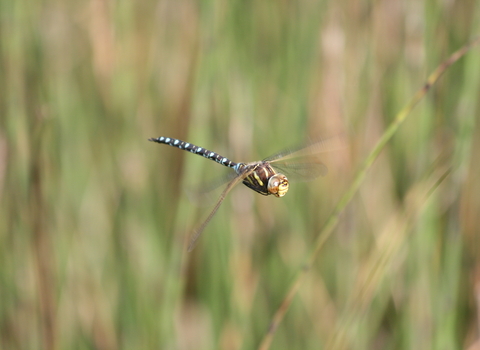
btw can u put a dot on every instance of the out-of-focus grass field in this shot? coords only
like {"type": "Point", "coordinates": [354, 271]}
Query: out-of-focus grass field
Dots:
{"type": "Point", "coordinates": [94, 219]}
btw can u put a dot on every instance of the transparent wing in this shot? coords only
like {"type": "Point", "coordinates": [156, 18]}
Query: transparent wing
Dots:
{"type": "Point", "coordinates": [206, 193]}
{"type": "Point", "coordinates": [227, 189]}
{"type": "Point", "coordinates": [303, 170]}
{"type": "Point", "coordinates": [309, 149]}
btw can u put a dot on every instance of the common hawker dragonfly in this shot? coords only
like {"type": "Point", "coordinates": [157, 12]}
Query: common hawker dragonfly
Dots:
{"type": "Point", "coordinates": [268, 176]}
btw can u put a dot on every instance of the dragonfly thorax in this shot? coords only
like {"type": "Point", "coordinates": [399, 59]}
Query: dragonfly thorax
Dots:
{"type": "Point", "coordinates": [262, 178]}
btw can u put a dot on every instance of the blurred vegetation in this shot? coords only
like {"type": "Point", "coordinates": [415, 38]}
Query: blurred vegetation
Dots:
{"type": "Point", "coordinates": [94, 219]}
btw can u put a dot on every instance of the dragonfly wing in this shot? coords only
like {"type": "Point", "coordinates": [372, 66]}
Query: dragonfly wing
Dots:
{"type": "Point", "coordinates": [227, 189]}
{"type": "Point", "coordinates": [205, 193]}
{"type": "Point", "coordinates": [309, 149]}
{"type": "Point", "coordinates": [301, 170]}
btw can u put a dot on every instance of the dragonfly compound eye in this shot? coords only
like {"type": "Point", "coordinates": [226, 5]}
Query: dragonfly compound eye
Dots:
{"type": "Point", "coordinates": [278, 185]}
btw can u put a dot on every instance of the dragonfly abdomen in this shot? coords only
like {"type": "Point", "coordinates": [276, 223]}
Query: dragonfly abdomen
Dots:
{"type": "Point", "coordinates": [194, 149]}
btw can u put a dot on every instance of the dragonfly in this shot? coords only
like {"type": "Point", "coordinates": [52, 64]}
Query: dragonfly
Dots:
{"type": "Point", "coordinates": [267, 177]}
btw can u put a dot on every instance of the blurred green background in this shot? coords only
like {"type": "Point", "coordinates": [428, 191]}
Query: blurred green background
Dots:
{"type": "Point", "coordinates": [94, 219]}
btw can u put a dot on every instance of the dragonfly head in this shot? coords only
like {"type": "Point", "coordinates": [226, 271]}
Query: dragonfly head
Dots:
{"type": "Point", "coordinates": [278, 185]}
